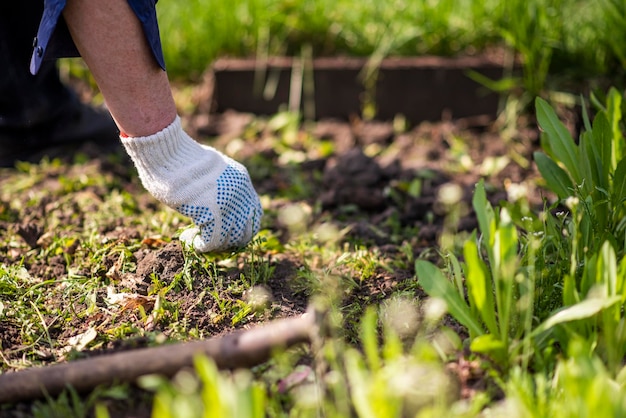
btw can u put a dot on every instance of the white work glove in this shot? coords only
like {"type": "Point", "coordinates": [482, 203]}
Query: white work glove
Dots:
{"type": "Point", "coordinates": [198, 181]}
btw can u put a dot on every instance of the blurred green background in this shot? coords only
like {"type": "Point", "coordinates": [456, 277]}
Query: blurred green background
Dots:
{"type": "Point", "coordinates": [575, 38]}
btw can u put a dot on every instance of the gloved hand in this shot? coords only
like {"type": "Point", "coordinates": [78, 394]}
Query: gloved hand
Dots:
{"type": "Point", "coordinates": [200, 182]}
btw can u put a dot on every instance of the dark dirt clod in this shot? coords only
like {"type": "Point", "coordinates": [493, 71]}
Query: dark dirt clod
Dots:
{"type": "Point", "coordinates": [10, 335]}
{"type": "Point", "coordinates": [289, 300]}
{"type": "Point", "coordinates": [51, 268]}
{"type": "Point", "coordinates": [354, 178]}
{"type": "Point", "coordinates": [30, 232]}
{"type": "Point", "coordinates": [166, 262]}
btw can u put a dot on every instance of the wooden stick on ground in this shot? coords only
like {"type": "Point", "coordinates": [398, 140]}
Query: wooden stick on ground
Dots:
{"type": "Point", "coordinates": [240, 349]}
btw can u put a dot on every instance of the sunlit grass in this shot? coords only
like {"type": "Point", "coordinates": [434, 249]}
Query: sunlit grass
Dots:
{"type": "Point", "coordinates": [571, 37]}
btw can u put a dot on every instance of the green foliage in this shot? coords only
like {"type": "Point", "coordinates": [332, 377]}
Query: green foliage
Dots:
{"type": "Point", "coordinates": [495, 301]}
{"type": "Point", "coordinates": [593, 309]}
{"type": "Point", "coordinates": [580, 386]}
{"type": "Point", "coordinates": [550, 36]}
{"type": "Point", "coordinates": [590, 177]}
{"type": "Point", "coordinates": [388, 378]}
{"type": "Point", "coordinates": [614, 13]}
{"type": "Point", "coordinates": [437, 285]}
{"type": "Point", "coordinates": [206, 393]}
{"type": "Point", "coordinates": [69, 404]}
{"type": "Point", "coordinates": [528, 28]}
{"type": "Point", "coordinates": [495, 292]}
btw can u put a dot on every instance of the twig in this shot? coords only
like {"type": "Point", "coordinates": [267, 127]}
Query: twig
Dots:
{"type": "Point", "coordinates": [240, 349]}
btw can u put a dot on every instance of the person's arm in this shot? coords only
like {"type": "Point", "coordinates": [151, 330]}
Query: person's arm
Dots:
{"type": "Point", "coordinates": [196, 180]}
{"type": "Point", "coordinates": [110, 39]}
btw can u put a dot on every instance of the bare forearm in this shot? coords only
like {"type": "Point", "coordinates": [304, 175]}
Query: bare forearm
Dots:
{"type": "Point", "coordinates": [112, 43]}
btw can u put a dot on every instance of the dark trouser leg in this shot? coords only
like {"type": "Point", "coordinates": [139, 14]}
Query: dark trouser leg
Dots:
{"type": "Point", "coordinates": [39, 116]}
{"type": "Point", "coordinates": [26, 100]}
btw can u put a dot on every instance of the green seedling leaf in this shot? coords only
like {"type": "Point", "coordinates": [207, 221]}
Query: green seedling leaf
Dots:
{"type": "Point", "coordinates": [561, 143]}
{"type": "Point", "coordinates": [619, 183]}
{"type": "Point", "coordinates": [614, 116]}
{"type": "Point", "coordinates": [209, 376]}
{"type": "Point", "coordinates": [480, 203]}
{"type": "Point", "coordinates": [504, 267]}
{"type": "Point", "coordinates": [242, 311]}
{"type": "Point", "coordinates": [583, 310]}
{"type": "Point", "coordinates": [101, 411]}
{"type": "Point", "coordinates": [484, 212]}
{"type": "Point", "coordinates": [621, 377]}
{"type": "Point", "coordinates": [621, 279]}
{"type": "Point", "coordinates": [603, 147]}
{"type": "Point", "coordinates": [558, 180]}
{"type": "Point", "coordinates": [456, 273]}
{"type": "Point", "coordinates": [607, 267]}
{"type": "Point", "coordinates": [479, 286]}
{"type": "Point", "coordinates": [415, 188]}
{"type": "Point", "coordinates": [491, 346]}
{"type": "Point", "coordinates": [505, 84]}
{"type": "Point", "coordinates": [591, 165]}
{"type": "Point", "coordinates": [356, 373]}
{"type": "Point", "coordinates": [369, 338]}
{"type": "Point", "coordinates": [570, 293]}
{"type": "Point", "coordinates": [436, 284]}
{"type": "Point", "coordinates": [586, 121]}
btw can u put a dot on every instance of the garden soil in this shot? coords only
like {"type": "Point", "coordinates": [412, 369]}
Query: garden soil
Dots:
{"type": "Point", "coordinates": [352, 186]}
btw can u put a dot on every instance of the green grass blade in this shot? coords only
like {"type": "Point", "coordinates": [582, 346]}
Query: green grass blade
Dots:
{"type": "Point", "coordinates": [486, 217]}
{"type": "Point", "coordinates": [484, 211]}
{"type": "Point", "coordinates": [456, 272]}
{"type": "Point", "coordinates": [591, 166]}
{"type": "Point", "coordinates": [369, 338]}
{"type": "Point", "coordinates": [570, 292]}
{"type": "Point", "coordinates": [558, 180]}
{"type": "Point", "coordinates": [435, 284]}
{"type": "Point", "coordinates": [586, 120]}
{"type": "Point", "coordinates": [621, 279]}
{"type": "Point", "coordinates": [595, 170]}
{"type": "Point", "coordinates": [614, 116]}
{"type": "Point", "coordinates": [491, 346]}
{"type": "Point", "coordinates": [619, 183]}
{"type": "Point", "coordinates": [504, 271]}
{"type": "Point", "coordinates": [607, 269]}
{"type": "Point", "coordinates": [603, 147]}
{"type": "Point", "coordinates": [561, 142]}
{"type": "Point", "coordinates": [583, 310]}
{"type": "Point", "coordinates": [480, 286]}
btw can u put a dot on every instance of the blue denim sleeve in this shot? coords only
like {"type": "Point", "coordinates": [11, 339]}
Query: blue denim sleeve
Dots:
{"type": "Point", "coordinates": [54, 41]}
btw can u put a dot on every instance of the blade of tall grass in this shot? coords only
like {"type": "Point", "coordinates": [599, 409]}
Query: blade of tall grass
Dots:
{"type": "Point", "coordinates": [562, 146]}
{"type": "Point", "coordinates": [436, 284]}
{"type": "Point", "coordinates": [558, 180]}
{"type": "Point", "coordinates": [479, 287]}
{"type": "Point", "coordinates": [582, 310]}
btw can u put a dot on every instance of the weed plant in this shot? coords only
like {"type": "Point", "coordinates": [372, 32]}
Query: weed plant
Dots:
{"type": "Point", "coordinates": [496, 290]}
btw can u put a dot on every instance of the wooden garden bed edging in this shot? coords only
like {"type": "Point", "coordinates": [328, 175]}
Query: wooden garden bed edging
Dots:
{"type": "Point", "coordinates": [419, 88]}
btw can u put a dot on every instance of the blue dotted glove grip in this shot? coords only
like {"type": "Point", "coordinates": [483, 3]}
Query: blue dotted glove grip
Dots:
{"type": "Point", "coordinates": [238, 205]}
